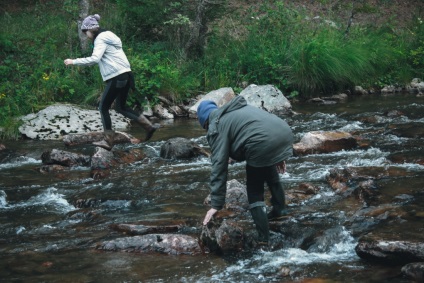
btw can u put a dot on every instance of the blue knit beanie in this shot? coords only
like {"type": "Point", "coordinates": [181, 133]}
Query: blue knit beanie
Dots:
{"type": "Point", "coordinates": [204, 109]}
{"type": "Point", "coordinates": [90, 22]}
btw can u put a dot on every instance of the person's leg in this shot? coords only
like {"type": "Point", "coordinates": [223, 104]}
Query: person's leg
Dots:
{"type": "Point", "coordinates": [278, 199]}
{"type": "Point", "coordinates": [255, 194]}
{"type": "Point", "coordinates": [106, 101]}
{"type": "Point", "coordinates": [109, 95]}
{"type": "Point", "coordinates": [121, 107]}
{"type": "Point", "coordinates": [123, 88]}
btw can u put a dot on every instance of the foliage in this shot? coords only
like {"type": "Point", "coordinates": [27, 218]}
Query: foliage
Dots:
{"type": "Point", "coordinates": [272, 43]}
{"type": "Point", "coordinates": [156, 75]}
{"type": "Point", "coordinates": [147, 19]}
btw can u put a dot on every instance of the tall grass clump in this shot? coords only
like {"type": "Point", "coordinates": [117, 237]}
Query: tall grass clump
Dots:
{"type": "Point", "coordinates": [301, 54]}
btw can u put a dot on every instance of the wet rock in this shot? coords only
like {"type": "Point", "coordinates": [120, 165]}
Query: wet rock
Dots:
{"type": "Point", "coordinates": [88, 138]}
{"type": "Point", "coordinates": [341, 180]}
{"type": "Point", "coordinates": [390, 252]}
{"type": "Point", "coordinates": [172, 244]}
{"type": "Point", "coordinates": [85, 203]}
{"type": "Point", "coordinates": [303, 192]}
{"type": "Point", "coordinates": [181, 148]}
{"type": "Point", "coordinates": [220, 97]}
{"type": "Point", "coordinates": [235, 198]}
{"type": "Point", "coordinates": [414, 271]}
{"type": "Point", "coordinates": [393, 113]}
{"type": "Point", "coordinates": [324, 142]}
{"type": "Point", "coordinates": [341, 97]}
{"type": "Point", "coordinates": [338, 179]}
{"type": "Point", "coordinates": [410, 130]}
{"type": "Point", "coordinates": [325, 242]}
{"type": "Point", "coordinates": [162, 112]}
{"type": "Point", "coordinates": [367, 192]}
{"type": "Point", "coordinates": [56, 121]}
{"type": "Point", "coordinates": [403, 199]}
{"type": "Point", "coordinates": [2, 147]}
{"type": "Point", "coordinates": [64, 158]}
{"type": "Point", "coordinates": [229, 236]}
{"type": "Point", "coordinates": [54, 168]}
{"type": "Point", "coordinates": [390, 89]}
{"type": "Point", "coordinates": [178, 111]}
{"type": "Point", "coordinates": [409, 157]}
{"type": "Point", "coordinates": [225, 233]}
{"type": "Point", "coordinates": [9, 156]}
{"type": "Point", "coordinates": [104, 159]}
{"type": "Point", "coordinates": [134, 229]}
{"type": "Point", "coordinates": [268, 98]}
{"type": "Point", "coordinates": [305, 231]}
{"type": "Point", "coordinates": [416, 86]}
{"type": "Point", "coordinates": [232, 229]}
{"type": "Point", "coordinates": [360, 91]}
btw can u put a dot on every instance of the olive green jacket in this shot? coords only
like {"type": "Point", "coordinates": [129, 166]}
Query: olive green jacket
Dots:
{"type": "Point", "coordinates": [244, 133]}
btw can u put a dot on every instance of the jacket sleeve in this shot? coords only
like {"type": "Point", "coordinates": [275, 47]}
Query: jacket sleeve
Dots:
{"type": "Point", "coordinates": [220, 148]}
{"type": "Point", "coordinates": [98, 51]}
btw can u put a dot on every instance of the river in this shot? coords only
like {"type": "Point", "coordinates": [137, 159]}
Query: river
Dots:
{"type": "Point", "coordinates": [44, 237]}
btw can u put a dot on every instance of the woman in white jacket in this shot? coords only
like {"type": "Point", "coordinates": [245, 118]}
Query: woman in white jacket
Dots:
{"type": "Point", "coordinates": [116, 72]}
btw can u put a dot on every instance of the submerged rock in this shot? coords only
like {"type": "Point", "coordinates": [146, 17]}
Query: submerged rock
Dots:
{"type": "Point", "coordinates": [390, 252]}
{"type": "Point", "coordinates": [139, 229]}
{"type": "Point", "coordinates": [324, 142]}
{"type": "Point", "coordinates": [65, 158]}
{"type": "Point", "coordinates": [173, 244]}
{"type": "Point", "coordinates": [104, 159]}
{"type": "Point", "coordinates": [414, 271]}
{"type": "Point", "coordinates": [181, 148]}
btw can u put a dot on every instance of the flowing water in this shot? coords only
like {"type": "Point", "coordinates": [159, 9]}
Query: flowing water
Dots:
{"type": "Point", "coordinates": [44, 237]}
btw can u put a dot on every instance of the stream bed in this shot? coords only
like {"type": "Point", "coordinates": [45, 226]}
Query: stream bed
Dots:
{"type": "Point", "coordinates": [45, 237]}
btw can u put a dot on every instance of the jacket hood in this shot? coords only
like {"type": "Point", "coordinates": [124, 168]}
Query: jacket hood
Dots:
{"type": "Point", "coordinates": [234, 104]}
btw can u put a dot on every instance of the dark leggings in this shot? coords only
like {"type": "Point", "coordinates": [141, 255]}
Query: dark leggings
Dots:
{"type": "Point", "coordinates": [256, 177]}
{"type": "Point", "coordinates": [116, 90]}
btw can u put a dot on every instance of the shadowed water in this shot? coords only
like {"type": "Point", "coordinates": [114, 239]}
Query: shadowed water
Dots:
{"type": "Point", "coordinates": [45, 238]}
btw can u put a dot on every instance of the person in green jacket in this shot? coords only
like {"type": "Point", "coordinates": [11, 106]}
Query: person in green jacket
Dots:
{"type": "Point", "coordinates": [244, 132]}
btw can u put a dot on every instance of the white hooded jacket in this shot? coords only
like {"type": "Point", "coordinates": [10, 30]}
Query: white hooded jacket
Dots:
{"type": "Point", "coordinates": [108, 53]}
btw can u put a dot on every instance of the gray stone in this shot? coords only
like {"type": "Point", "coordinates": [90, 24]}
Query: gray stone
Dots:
{"type": "Point", "coordinates": [267, 97]}
{"type": "Point", "coordinates": [220, 97]}
{"type": "Point", "coordinates": [56, 121]}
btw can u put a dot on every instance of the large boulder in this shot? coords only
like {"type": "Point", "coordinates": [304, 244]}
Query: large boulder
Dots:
{"type": "Point", "coordinates": [324, 142]}
{"type": "Point", "coordinates": [267, 97]}
{"type": "Point", "coordinates": [55, 121]}
{"type": "Point", "coordinates": [220, 97]}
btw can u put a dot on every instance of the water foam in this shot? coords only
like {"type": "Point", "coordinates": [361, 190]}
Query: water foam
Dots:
{"type": "Point", "coordinates": [18, 162]}
{"type": "Point", "coordinates": [50, 197]}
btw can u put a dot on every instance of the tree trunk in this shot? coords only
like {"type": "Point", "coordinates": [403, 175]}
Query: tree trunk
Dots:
{"type": "Point", "coordinates": [84, 6]}
{"type": "Point", "coordinates": [196, 43]}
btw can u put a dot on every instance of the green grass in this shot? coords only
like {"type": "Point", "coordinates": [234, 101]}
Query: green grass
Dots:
{"type": "Point", "coordinates": [274, 44]}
